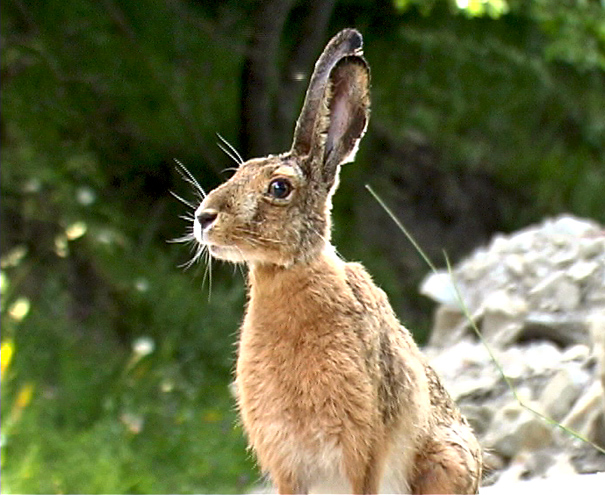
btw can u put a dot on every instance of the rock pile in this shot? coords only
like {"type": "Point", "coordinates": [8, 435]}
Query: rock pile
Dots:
{"type": "Point", "coordinates": [537, 297]}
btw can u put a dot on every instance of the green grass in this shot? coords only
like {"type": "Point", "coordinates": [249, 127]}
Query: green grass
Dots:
{"type": "Point", "coordinates": [104, 416]}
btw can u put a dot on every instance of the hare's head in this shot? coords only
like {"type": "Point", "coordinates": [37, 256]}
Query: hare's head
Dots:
{"type": "Point", "coordinates": [276, 209]}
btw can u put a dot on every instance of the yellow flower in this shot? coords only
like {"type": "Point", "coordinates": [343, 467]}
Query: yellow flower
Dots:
{"type": "Point", "coordinates": [25, 395]}
{"type": "Point", "coordinates": [8, 349]}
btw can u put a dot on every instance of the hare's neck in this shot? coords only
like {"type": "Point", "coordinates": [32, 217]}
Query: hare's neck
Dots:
{"type": "Point", "coordinates": [273, 281]}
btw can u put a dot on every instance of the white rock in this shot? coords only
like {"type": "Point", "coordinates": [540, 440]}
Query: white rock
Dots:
{"type": "Point", "coordinates": [501, 301]}
{"type": "Point", "coordinates": [586, 413]}
{"type": "Point", "coordinates": [448, 326]}
{"type": "Point", "coordinates": [571, 226]}
{"type": "Point", "coordinates": [578, 352]}
{"type": "Point", "coordinates": [592, 246]}
{"type": "Point", "coordinates": [564, 328]}
{"type": "Point", "coordinates": [513, 363]}
{"type": "Point", "coordinates": [556, 292]}
{"type": "Point", "coordinates": [515, 263]}
{"type": "Point", "coordinates": [568, 253]}
{"type": "Point", "coordinates": [562, 391]}
{"type": "Point", "coordinates": [440, 288]}
{"type": "Point", "coordinates": [597, 334]}
{"type": "Point", "coordinates": [538, 296]}
{"type": "Point", "coordinates": [536, 358]}
{"type": "Point", "coordinates": [514, 429]}
{"type": "Point", "coordinates": [561, 467]}
{"type": "Point", "coordinates": [567, 295]}
{"type": "Point", "coordinates": [547, 285]}
{"type": "Point", "coordinates": [503, 314]}
{"type": "Point", "coordinates": [580, 483]}
{"type": "Point", "coordinates": [523, 240]}
{"type": "Point", "coordinates": [581, 270]}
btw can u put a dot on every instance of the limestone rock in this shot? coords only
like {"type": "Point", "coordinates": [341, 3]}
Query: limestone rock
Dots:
{"type": "Point", "coordinates": [538, 298]}
{"type": "Point", "coordinates": [562, 391]}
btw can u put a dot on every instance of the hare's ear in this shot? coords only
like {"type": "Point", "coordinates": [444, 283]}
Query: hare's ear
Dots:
{"type": "Point", "coordinates": [336, 109]}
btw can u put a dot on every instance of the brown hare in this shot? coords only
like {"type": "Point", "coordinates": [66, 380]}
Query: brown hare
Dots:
{"type": "Point", "coordinates": [333, 393]}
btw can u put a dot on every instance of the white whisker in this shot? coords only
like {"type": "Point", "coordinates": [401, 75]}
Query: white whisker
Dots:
{"type": "Point", "coordinates": [188, 177]}
{"type": "Point", "coordinates": [197, 250]}
{"type": "Point", "coordinates": [228, 153]}
{"type": "Point", "coordinates": [239, 265]}
{"type": "Point", "coordinates": [232, 153]}
{"type": "Point", "coordinates": [186, 238]}
{"type": "Point", "coordinates": [252, 237]}
{"type": "Point", "coordinates": [184, 201]}
{"type": "Point", "coordinates": [321, 236]}
{"type": "Point", "coordinates": [209, 272]}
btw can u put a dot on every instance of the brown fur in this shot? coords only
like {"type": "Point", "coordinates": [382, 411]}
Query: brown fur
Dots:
{"type": "Point", "coordinates": [331, 388]}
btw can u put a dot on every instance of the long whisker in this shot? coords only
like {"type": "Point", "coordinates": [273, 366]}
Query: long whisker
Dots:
{"type": "Point", "coordinates": [186, 238]}
{"type": "Point", "coordinates": [322, 237]}
{"type": "Point", "coordinates": [241, 270]}
{"type": "Point", "coordinates": [253, 236]}
{"type": "Point", "coordinates": [249, 240]}
{"type": "Point", "coordinates": [195, 248]}
{"type": "Point", "coordinates": [188, 177]}
{"type": "Point", "coordinates": [198, 252]}
{"type": "Point", "coordinates": [228, 153]}
{"type": "Point", "coordinates": [184, 201]}
{"type": "Point", "coordinates": [209, 272]}
{"type": "Point", "coordinates": [239, 265]}
{"type": "Point", "coordinates": [235, 156]}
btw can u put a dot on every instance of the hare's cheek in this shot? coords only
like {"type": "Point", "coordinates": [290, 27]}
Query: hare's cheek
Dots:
{"type": "Point", "coordinates": [247, 208]}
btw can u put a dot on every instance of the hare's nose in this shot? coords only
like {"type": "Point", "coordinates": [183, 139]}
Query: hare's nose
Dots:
{"type": "Point", "coordinates": [206, 217]}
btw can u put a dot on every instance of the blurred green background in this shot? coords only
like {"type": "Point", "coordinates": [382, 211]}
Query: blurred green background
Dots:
{"type": "Point", "coordinates": [116, 362]}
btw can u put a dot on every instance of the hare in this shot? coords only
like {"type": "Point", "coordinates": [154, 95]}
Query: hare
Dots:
{"type": "Point", "coordinates": [333, 393]}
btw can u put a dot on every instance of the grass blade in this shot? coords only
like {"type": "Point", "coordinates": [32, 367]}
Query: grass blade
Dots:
{"type": "Point", "coordinates": [468, 316]}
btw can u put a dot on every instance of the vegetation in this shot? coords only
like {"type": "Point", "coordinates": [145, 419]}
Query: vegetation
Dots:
{"type": "Point", "coordinates": [116, 363]}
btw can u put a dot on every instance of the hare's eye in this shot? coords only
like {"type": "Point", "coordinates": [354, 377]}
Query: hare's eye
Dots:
{"type": "Point", "coordinates": [280, 189]}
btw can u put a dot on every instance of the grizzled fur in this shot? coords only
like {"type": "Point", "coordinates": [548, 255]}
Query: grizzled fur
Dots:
{"type": "Point", "coordinates": [333, 393]}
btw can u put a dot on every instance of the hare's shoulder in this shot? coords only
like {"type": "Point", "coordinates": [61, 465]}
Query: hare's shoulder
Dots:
{"type": "Point", "coordinates": [365, 291]}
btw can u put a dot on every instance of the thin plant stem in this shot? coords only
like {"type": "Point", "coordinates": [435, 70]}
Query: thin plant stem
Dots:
{"type": "Point", "coordinates": [401, 227]}
{"type": "Point", "coordinates": [470, 319]}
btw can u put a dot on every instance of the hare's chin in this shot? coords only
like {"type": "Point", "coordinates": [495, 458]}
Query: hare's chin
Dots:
{"type": "Point", "coordinates": [226, 253]}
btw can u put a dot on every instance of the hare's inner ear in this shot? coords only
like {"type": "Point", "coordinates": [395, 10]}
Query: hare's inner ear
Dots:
{"type": "Point", "coordinates": [336, 108]}
{"type": "Point", "coordinates": [348, 104]}
{"type": "Point", "coordinates": [311, 123]}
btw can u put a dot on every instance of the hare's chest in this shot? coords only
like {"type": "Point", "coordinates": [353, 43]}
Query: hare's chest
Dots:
{"type": "Point", "coordinates": [283, 411]}
{"type": "Point", "coordinates": [285, 375]}
{"type": "Point", "coordinates": [295, 397]}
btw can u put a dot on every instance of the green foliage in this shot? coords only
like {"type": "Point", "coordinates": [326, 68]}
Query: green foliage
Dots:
{"type": "Point", "coordinates": [490, 101]}
{"type": "Point", "coordinates": [575, 30]}
{"type": "Point", "coordinates": [98, 98]}
{"type": "Point", "coordinates": [154, 416]}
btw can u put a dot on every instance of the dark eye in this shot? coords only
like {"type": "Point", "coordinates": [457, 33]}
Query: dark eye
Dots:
{"type": "Point", "coordinates": [280, 189]}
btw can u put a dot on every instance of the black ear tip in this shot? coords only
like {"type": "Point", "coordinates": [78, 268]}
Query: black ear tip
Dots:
{"type": "Point", "coordinates": [353, 39]}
